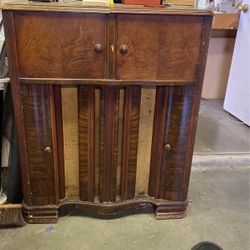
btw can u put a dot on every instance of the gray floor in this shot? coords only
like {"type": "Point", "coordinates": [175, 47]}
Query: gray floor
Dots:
{"type": "Point", "coordinates": [219, 131]}
{"type": "Point", "coordinates": [218, 208]}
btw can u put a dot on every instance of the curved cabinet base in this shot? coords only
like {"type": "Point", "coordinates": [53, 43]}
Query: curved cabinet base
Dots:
{"type": "Point", "coordinates": [50, 214]}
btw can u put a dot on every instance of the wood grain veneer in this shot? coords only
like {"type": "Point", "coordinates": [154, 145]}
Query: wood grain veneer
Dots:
{"type": "Point", "coordinates": [106, 103]}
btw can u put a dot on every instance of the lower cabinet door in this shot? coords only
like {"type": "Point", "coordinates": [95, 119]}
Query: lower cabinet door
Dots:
{"type": "Point", "coordinates": [38, 108]}
{"type": "Point", "coordinates": [172, 143]}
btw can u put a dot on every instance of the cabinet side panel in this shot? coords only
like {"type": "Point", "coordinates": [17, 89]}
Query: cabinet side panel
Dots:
{"type": "Point", "coordinates": [10, 38]}
{"type": "Point", "coordinates": [37, 120]}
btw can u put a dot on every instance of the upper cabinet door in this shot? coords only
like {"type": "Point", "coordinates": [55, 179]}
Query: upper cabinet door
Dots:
{"type": "Point", "coordinates": [158, 47]}
{"type": "Point", "coordinates": [60, 45]}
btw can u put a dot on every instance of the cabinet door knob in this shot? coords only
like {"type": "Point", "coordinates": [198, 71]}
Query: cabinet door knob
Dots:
{"type": "Point", "coordinates": [167, 147]}
{"type": "Point", "coordinates": [124, 49]}
{"type": "Point", "coordinates": [47, 149]}
{"type": "Point", "coordinates": [98, 48]}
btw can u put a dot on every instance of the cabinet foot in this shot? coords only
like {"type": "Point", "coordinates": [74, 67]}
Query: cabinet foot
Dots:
{"type": "Point", "coordinates": [166, 213]}
{"type": "Point", "coordinates": [40, 215]}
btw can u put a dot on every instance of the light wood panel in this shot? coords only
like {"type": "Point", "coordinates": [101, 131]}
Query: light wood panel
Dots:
{"type": "Point", "coordinates": [145, 140]}
{"type": "Point", "coordinates": [70, 138]}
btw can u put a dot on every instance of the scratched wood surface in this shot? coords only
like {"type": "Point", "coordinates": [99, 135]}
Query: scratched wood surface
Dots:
{"type": "Point", "coordinates": [60, 45]}
{"type": "Point", "coordinates": [37, 120]}
{"type": "Point", "coordinates": [164, 51]}
{"type": "Point", "coordinates": [168, 154]}
{"type": "Point", "coordinates": [170, 47]}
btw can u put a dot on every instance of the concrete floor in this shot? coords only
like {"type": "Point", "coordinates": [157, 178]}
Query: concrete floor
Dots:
{"type": "Point", "coordinates": [218, 208]}
{"type": "Point", "coordinates": [219, 131]}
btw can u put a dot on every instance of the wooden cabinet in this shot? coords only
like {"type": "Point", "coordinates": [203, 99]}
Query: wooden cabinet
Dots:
{"type": "Point", "coordinates": [106, 104]}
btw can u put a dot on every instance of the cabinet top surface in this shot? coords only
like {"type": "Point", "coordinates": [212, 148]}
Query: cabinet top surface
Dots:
{"type": "Point", "coordinates": [78, 6]}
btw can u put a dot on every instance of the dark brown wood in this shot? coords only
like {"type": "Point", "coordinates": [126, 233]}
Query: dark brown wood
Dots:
{"type": "Point", "coordinates": [130, 141]}
{"type": "Point", "coordinates": [159, 47]}
{"type": "Point", "coordinates": [105, 82]}
{"type": "Point", "coordinates": [111, 41]}
{"type": "Point", "coordinates": [106, 51]}
{"type": "Point", "coordinates": [200, 71]}
{"type": "Point", "coordinates": [54, 143]}
{"type": "Point", "coordinates": [178, 105]}
{"type": "Point", "coordinates": [108, 143]}
{"type": "Point", "coordinates": [10, 38]}
{"type": "Point", "coordinates": [36, 102]}
{"type": "Point", "coordinates": [60, 45]}
{"type": "Point", "coordinates": [59, 131]}
{"type": "Point", "coordinates": [86, 112]}
{"type": "Point", "coordinates": [157, 141]}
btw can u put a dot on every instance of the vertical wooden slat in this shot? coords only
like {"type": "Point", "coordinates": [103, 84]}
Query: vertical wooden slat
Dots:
{"type": "Point", "coordinates": [130, 141]}
{"type": "Point", "coordinates": [86, 107]}
{"type": "Point", "coordinates": [59, 132]}
{"type": "Point", "coordinates": [157, 140]}
{"type": "Point", "coordinates": [120, 141]}
{"type": "Point", "coordinates": [145, 140]}
{"type": "Point", "coordinates": [54, 137]}
{"type": "Point", "coordinates": [108, 143]}
{"type": "Point", "coordinates": [70, 140]}
{"type": "Point", "coordinates": [97, 140]}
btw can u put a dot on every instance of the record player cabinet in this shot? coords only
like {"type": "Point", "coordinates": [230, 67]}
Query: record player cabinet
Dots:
{"type": "Point", "coordinates": [106, 103]}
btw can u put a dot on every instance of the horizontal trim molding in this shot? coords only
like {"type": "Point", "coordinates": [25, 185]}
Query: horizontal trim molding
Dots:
{"type": "Point", "coordinates": [105, 82]}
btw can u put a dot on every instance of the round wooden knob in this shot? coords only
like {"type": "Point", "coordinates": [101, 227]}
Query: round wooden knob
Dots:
{"type": "Point", "coordinates": [98, 48]}
{"type": "Point", "coordinates": [47, 149]}
{"type": "Point", "coordinates": [124, 49]}
{"type": "Point", "coordinates": [167, 147]}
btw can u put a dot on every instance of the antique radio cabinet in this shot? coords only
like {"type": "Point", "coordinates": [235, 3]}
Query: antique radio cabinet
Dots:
{"type": "Point", "coordinates": [106, 103]}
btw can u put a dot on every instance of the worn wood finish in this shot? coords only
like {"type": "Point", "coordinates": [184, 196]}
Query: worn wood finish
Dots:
{"type": "Point", "coordinates": [76, 6]}
{"type": "Point", "coordinates": [108, 143]}
{"type": "Point", "coordinates": [86, 112]}
{"type": "Point", "coordinates": [145, 139]}
{"type": "Point", "coordinates": [59, 131]}
{"type": "Point", "coordinates": [170, 47]}
{"type": "Point", "coordinates": [130, 141]}
{"type": "Point", "coordinates": [37, 121]}
{"type": "Point", "coordinates": [69, 48]}
{"type": "Point", "coordinates": [81, 137]}
{"type": "Point", "coordinates": [173, 159]}
{"type": "Point", "coordinates": [10, 35]}
{"type": "Point", "coordinates": [107, 82]}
